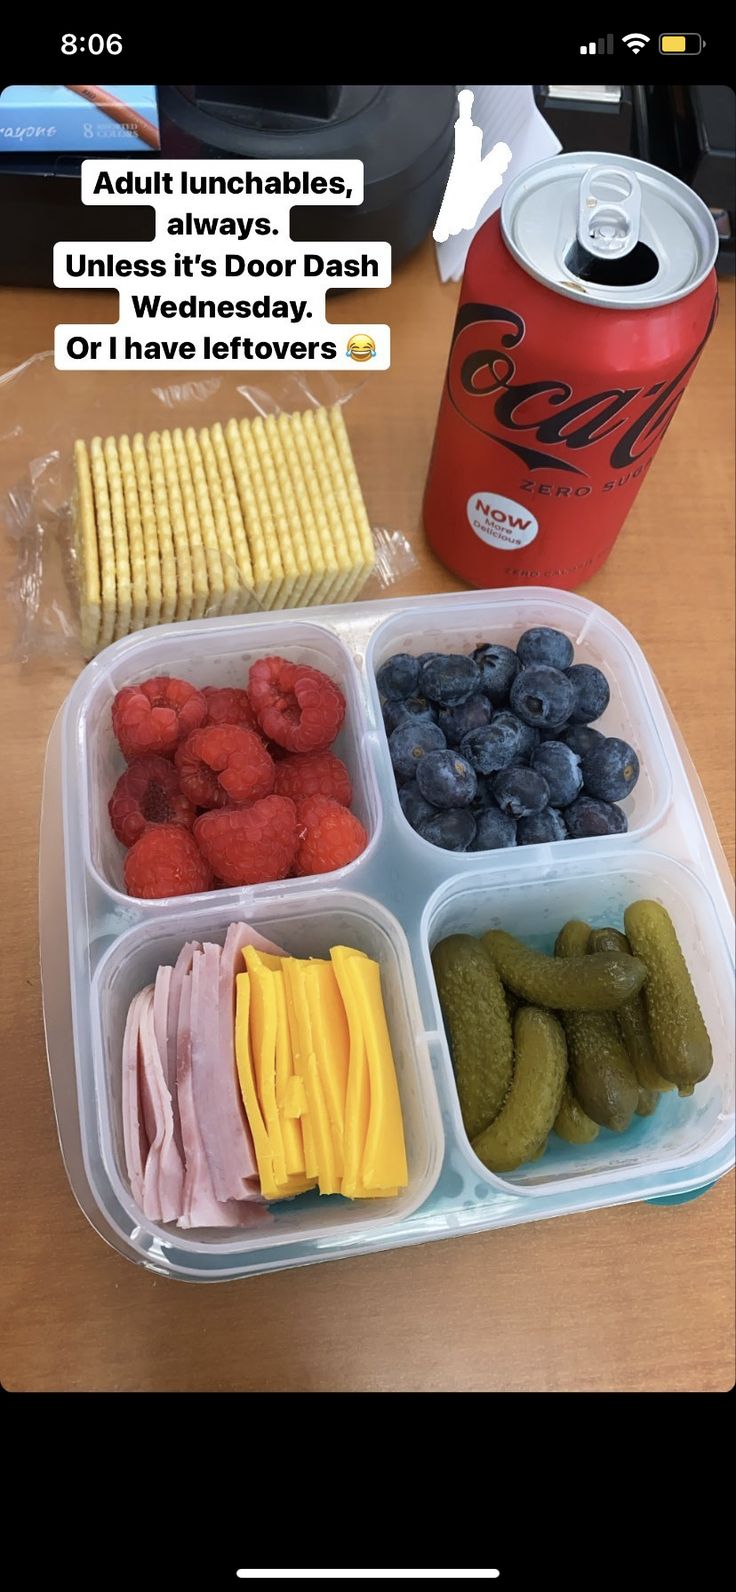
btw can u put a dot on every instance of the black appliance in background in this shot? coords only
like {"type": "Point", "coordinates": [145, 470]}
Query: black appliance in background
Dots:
{"type": "Point", "coordinates": [688, 130]}
{"type": "Point", "coordinates": [403, 133]}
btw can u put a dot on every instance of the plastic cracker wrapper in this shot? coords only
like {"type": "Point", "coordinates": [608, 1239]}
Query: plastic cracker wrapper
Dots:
{"type": "Point", "coordinates": [135, 504]}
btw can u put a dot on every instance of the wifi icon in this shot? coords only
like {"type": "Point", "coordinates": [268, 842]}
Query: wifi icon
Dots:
{"type": "Point", "coordinates": [635, 41]}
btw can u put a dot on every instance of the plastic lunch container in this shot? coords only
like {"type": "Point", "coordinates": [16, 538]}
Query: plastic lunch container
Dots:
{"type": "Point", "coordinates": [394, 902]}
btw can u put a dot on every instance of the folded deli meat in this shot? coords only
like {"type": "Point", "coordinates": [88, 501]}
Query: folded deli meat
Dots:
{"type": "Point", "coordinates": [251, 1076]}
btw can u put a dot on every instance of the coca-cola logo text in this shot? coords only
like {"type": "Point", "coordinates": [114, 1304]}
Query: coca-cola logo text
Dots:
{"type": "Point", "coordinates": [483, 386]}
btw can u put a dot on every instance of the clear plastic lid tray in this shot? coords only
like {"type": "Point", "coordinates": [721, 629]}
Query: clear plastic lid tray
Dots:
{"type": "Point", "coordinates": [395, 902]}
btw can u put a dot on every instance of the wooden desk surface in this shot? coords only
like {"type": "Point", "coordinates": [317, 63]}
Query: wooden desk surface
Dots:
{"type": "Point", "coordinates": [632, 1298]}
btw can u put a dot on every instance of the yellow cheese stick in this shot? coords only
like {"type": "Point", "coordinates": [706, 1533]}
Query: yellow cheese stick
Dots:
{"type": "Point", "coordinates": [244, 1063]}
{"type": "Point", "coordinates": [291, 1132]}
{"type": "Point", "coordinates": [263, 1051]}
{"type": "Point", "coordinates": [384, 1152]}
{"type": "Point", "coordinates": [357, 1098]}
{"type": "Point", "coordinates": [306, 1064]}
{"type": "Point", "coordinates": [331, 1041]}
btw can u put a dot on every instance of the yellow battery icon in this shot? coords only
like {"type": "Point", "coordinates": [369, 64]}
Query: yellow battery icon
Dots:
{"type": "Point", "coordinates": [680, 43]}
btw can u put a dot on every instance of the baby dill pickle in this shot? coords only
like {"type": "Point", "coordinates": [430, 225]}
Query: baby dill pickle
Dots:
{"type": "Point", "coordinates": [478, 1028]}
{"type": "Point", "coordinates": [571, 1122]}
{"type": "Point", "coordinates": [648, 1102]}
{"type": "Point", "coordinates": [583, 983]}
{"type": "Point", "coordinates": [533, 1101]}
{"type": "Point", "coordinates": [601, 1075]}
{"type": "Point", "coordinates": [682, 1049]}
{"type": "Point", "coordinates": [632, 1020]}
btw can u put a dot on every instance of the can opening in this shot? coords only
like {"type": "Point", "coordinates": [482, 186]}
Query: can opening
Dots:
{"type": "Point", "coordinates": [640, 265]}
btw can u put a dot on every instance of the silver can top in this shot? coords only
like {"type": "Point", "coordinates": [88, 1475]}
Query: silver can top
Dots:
{"type": "Point", "coordinates": [609, 230]}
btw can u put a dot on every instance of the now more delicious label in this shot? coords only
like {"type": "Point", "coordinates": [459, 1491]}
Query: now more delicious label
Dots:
{"type": "Point", "coordinates": [500, 521]}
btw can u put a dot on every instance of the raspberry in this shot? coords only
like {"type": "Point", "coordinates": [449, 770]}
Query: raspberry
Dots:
{"type": "Point", "coordinates": [249, 845]}
{"type": "Point", "coordinates": [329, 836]}
{"type": "Point", "coordinates": [295, 705]}
{"type": "Point", "coordinates": [156, 715]}
{"type": "Point", "coordinates": [228, 705]}
{"type": "Point", "coordinates": [222, 764]}
{"type": "Point", "coordinates": [165, 861]}
{"type": "Point", "coordinates": [148, 793]}
{"type": "Point", "coordinates": [314, 774]}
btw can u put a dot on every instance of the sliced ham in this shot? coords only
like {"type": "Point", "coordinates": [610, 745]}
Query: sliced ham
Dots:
{"type": "Point", "coordinates": [182, 966]}
{"type": "Point", "coordinates": [134, 1135]}
{"type": "Point", "coordinates": [201, 1208]}
{"type": "Point", "coordinates": [163, 1182]}
{"type": "Point", "coordinates": [217, 1100]}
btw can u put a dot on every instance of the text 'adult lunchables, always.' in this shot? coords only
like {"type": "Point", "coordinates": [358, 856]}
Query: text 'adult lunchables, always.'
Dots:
{"type": "Point", "coordinates": [222, 284]}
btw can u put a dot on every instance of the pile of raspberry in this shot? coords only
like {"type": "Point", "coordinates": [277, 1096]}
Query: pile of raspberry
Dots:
{"type": "Point", "coordinates": [230, 786]}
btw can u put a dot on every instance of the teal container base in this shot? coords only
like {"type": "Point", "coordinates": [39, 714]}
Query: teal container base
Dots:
{"type": "Point", "coordinates": [681, 1199]}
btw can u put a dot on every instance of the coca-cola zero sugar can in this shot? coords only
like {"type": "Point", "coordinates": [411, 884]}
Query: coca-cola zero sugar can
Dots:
{"type": "Point", "coordinates": [584, 307]}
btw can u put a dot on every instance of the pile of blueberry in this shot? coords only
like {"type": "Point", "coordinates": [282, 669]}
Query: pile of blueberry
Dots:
{"type": "Point", "coordinates": [496, 749]}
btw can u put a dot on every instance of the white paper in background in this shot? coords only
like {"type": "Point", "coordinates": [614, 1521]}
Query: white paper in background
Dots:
{"type": "Point", "coordinates": [507, 113]}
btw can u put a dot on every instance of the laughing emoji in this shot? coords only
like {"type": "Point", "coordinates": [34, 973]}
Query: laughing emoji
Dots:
{"type": "Point", "coordinates": [361, 347]}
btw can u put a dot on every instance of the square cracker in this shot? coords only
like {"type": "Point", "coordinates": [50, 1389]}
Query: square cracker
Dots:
{"type": "Point", "coordinates": [88, 558]}
{"type": "Point", "coordinates": [250, 552]}
{"type": "Point", "coordinates": [237, 594]}
{"type": "Point", "coordinates": [265, 587]}
{"type": "Point", "coordinates": [150, 533]}
{"type": "Point", "coordinates": [167, 553]}
{"type": "Point", "coordinates": [333, 573]}
{"type": "Point", "coordinates": [123, 574]}
{"type": "Point", "coordinates": [215, 572]}
{"type": "Point", "coordinates": [292, 509]}
{"type": "Point", "coordinates": [309, 524]}
{"type": "Point", "coordinates": [105, 543]}
{"type": "Point", "coordinates": [176, 459]}
{"type": "Point", "coordinates": [332, 510]}
{"type": "Point", "coordinates": [177, 517]}
{"type": "Point", "coordinates": [273, 551]}
{"type": "Point", "coordinates": [342, 443]}
{"type": "Point", "coordinates": [293, 581]}
{"type": "Point", "coordinates": [136, 545]}
{"type": "Point", "coordinates": [342, 496]}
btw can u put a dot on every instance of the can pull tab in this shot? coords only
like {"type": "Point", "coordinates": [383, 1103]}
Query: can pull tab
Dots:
{"type": "Point", "coordinates": [609, 211]}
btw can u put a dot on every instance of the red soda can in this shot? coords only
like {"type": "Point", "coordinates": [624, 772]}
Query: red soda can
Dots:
{"type": "Point", "coordinates": [584, 308]}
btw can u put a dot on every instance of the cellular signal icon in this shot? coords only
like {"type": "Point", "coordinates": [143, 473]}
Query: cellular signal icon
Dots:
{"type": "Point", "coordinates": [635, 41]}
{"type": "Point", "coordinates": [602, 47]}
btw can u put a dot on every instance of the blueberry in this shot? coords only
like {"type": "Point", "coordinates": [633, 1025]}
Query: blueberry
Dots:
{"type": "Point", "coordinates": [425, 657]}
{"type": "Point", "coordinates": [396, 713]}
{"type": "Point", "coordinates": [494, 829]}
{"type": "Point", "coordinates": [413, 805]}
{"type": "Point", "coordinates": [483, 797]}
{"type": "Point", "coordinates": [449, 678]}
{"type": "Point", "coordinates": [454, 829]}
{"type": "Point", "coordinates": [587, 816]}
{"type": "Point", "coordinates": [561, 769]}
{"type": "Point", "coordinates": [499, 667]}
{"type": "Point", "coordinates": [505, 740]}
{"type": "Point", "coordinates": [459, 721]}
{"type": "Point", "coordinates": [591, 692]}
{"type": "Point", "coordinates": [611, 770]}
{"type": "Point", "coordinates": [409, 743]}
{"type": "Point", "coordinates": [580, 738]}
{"type": "Point", "coordinates": [538, 828]}
{"type": "Point", "coordinates": [543, 697]}
{"type": "Point", "coordinates": [541, 645]}
{"type": "Point", "coordinates": [398, 676]}
{"type": "Point", "coordinates": [520, 791]}
{"type": "Point", "coordinates": [446, 779]}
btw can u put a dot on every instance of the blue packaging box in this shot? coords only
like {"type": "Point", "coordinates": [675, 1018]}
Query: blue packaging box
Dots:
{"type": "Point", "coordinates": [93, 118]}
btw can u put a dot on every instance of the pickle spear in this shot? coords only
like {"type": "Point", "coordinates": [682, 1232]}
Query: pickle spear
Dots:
{"type": "Point", "coordinates": [478, 1028]}
{"type": "Point", "coordinates": [579, 983]}
{"type": "Point", "coordinates": [601, 1074]}
{"type": "Point", "coordinates": [533, 1100]}
{"type": "Point", "coordinates": [632, 1020]}
{"type": "Point", "coordinates": [682, 1049]}
{"type": "Point", "coordinates": [571, 1122]}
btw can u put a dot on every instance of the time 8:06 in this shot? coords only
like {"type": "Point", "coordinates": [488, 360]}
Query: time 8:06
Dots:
{"type": "Point", "coordinates": [95, 43]}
